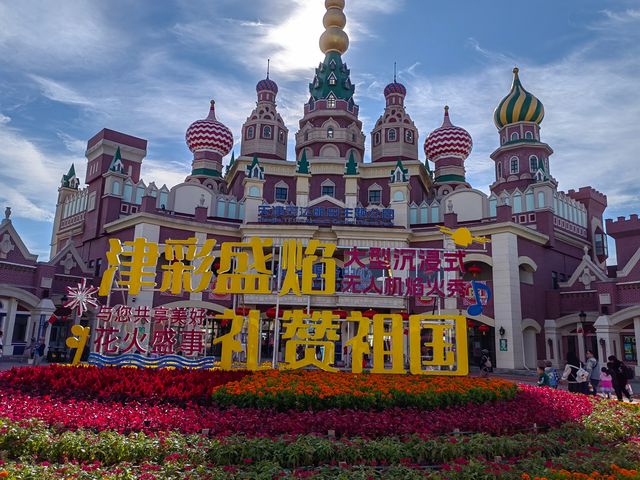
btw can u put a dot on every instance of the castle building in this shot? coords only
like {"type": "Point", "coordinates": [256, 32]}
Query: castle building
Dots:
{"type": "Point", "coordinates": [545, 264]}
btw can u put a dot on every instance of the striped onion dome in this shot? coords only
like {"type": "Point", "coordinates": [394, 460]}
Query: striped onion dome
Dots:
{"type": "Point", "coordinates": [518, 106]}
{"type": "Point", "coordinates": [267, 84]}
{"type": "Point", "coordinates": [395, 87]}
{"type": "Point", "coordinates": [448, 141]}
{"type": "Point", "coordinates": [209, 135]}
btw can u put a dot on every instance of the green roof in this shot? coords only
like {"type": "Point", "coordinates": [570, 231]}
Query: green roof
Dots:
{"type": "Point", "coordinates": [332, 77]}
{"type": "Point", "coordinates": [303, 163]}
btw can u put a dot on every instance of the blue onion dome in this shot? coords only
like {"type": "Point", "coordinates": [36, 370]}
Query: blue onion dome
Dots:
{"type": "Point", "coordinates": [267, 84]}
{"type": "Point", "coordinates": [395, 87]}
{"type": "Point", "coordinates": [518, 106]}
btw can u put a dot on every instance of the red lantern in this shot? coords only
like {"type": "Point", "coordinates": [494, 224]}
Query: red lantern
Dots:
{"type": "Point", "coordinates": [471, 323]}
{"type": "Point", "coordinates": [271, 312]}
{"type": "Point", "coordinates": [342, 314]}
{"type": "Point", "coordinates": [484, 328]}
{"type": "Point", "coordinates": [405, 315]}
{"type": "Point", "coordinates": [474, 269]}
{"type": "Point", "coordinates": [369, 313]}
{"type": "Point", "coordinates": [244, 311]}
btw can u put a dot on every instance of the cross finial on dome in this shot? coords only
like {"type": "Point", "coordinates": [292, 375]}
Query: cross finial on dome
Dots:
{"type": "Point", "coordinates": [268, 62]}
{"type": "Point", "coordinates": [394, 72]}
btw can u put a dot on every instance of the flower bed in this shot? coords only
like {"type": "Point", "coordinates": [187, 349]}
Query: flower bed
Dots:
{"type": "Point", "coordinates": [532, 405]}
{"type": "Point", "coordinates": [315, 389]}
{"type": "Point", "coordinates": [119, 384]}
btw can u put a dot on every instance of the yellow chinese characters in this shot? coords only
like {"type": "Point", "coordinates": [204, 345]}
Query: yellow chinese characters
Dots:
{"type": "Point", "coordinates": [299, 259]}
{"type": "Point", "coordinates": [238, 274]}
{"type": "Point", "coordinates": [310, 341]}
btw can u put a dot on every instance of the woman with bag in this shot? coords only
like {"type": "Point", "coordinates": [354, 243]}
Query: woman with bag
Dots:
{"type": "Point", "coordinates": [619, 378]}
{"type": "Point", "coordinates": [575, 376]}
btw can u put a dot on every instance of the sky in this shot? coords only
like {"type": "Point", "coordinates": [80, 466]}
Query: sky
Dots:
{"type": "Point", "coordinates": [149, 68]}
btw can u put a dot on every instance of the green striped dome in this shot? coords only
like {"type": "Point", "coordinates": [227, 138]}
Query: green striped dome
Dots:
{"type": "Point", "coordinates": [518, 106]}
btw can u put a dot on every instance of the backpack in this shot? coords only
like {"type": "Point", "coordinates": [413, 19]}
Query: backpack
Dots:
{"type": "Point", "coordinates": [581, 374]}
{"type": "Point", "coordinates": [628, 372]}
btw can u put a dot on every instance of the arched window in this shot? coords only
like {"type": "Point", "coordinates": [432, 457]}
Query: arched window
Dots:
{"type": "Point", "coordinates": [529, 201]}
{"type": "Point", "coordinates": [281, 136]}
{"type": "Point", "coordinates": [328, 188]}
{"type": "Point", "coordinates": [306, 136]}
{"type": "Point", "coordinates": [266, 131]}
{"type": "Point", "coordinates": [499, 170]}
{"type": "Point", "coordinates": [408, 136]}
{"type": "Point", "coordinates": [281, 192]}
{"type": "Point", "coordinates": [514, 136]}
{"type": "Point", "coordinates": [517, 203]}
{"type": "Point", "coordinates": [376, 138]}
{"type": "Point", "coordinates": [513, 165]}
{"type": "Point", "coordinates": [375, 195]}
{"type": "Point", "coordinates": [331, 101]}
{"type": "Point", "coordinates": [251, 132]}
{"type": "Point", "coordinates": [330, 132]}
{"type": "Point", "coordinates": [528, 135]}
{"type": "Point", "coordinates": [533, 163]}
{"type": "Point", "coordinates": [391, 135]}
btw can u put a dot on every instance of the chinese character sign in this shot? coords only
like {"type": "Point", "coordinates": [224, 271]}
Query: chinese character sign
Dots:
{"type": "Point", "coordinates": [431, 345]}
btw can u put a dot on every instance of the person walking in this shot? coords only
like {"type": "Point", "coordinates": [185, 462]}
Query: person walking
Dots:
{"type": "Point", "coordinates": [543, 378]}
{"type": "Point", "coordinates": [619, 379]}
{"type": "Point", "coordinates": [593, 367]}
{"type": "Point", "coordinates": [485, 363]}
{"type": "Point", "coordinates": [570, 374]}
{"type": "Point", "coordinates": [552, 373]}
{"type": "Point", "coordinates": [606, 385]}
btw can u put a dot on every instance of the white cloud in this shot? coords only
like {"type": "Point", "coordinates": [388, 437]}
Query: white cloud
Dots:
{"type": "Point", "coordinates": [59, 92]}
{"type": "Point", "coordinates": [4, 119]}
{"type": "Point", "coordinates": [42, 36]}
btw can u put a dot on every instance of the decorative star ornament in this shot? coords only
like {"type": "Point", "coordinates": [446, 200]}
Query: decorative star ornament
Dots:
{"type": "Point", "coordinates": [81, 297]}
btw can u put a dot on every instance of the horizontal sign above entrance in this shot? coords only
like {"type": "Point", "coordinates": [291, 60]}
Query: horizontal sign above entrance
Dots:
{"type": "Point", "coordinates": [377, 217]}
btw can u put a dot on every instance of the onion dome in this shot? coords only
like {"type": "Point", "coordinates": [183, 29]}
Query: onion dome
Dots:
{"type": "Point", "coordinates": [209, 135]}
{"type": "Point", "coordinates": [518, 106]}
{"type": "Point", "coordinates": [267, 84]}
{"type": "Point", "coordinates": [448, 141]}
{"type": "Point", "coordinates": [395, 87]}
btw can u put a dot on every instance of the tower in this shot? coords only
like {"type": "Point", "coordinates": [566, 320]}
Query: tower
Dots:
{"type": "Point", "coordinates": [394, 136]}
{"type": "Point", "coordinates": [330, 127]}
{"type": "Point", "coordinates": [448, 147]}
{"type": "Point", "coordinates": [522, 159]}
{"type": "Point", "coordinates": [209, 140]}
{"type": "Point", "coordinates": [264, 133]}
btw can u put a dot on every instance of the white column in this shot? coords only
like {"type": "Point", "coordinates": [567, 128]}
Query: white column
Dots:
{"type": "Point", "coordinates": [506, 299]}
{"type": "Point", "coordinates": [605, 332]}
{"type": "Point", "coordinates": [551, 333]}
{"type": "Point", "coordinates": [580, 336]}
{"type": "Point", "coordinates": [9, 322]}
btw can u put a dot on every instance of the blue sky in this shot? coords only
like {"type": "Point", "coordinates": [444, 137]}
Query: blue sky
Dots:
{"type": "Point", "coordinates": [149, 68]}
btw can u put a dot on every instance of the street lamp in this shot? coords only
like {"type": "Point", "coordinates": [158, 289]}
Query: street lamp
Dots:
{"type": "Point", "coordinates": [582, 316]}
{"type": "Point", "coordinates": [502, 331]}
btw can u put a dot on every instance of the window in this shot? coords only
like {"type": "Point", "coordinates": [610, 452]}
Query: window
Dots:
{"type": "Point", "coordinates": [282, 193]}
{"type": "Point", "coordinates": [251, 132]}
{"type": "Point", "coordinates": [376, 138]}
{"type": "Point", "coordinates": [330, 132]}
{"type": "Point", "coordinates": [281, 136]}
{"type": "Point", "coordinates": [98, 265]}
{"type": "Point", "coordinates": [554, 280]}
{"type": "Point", "coordinates": [391, 135]}
{"type": "Point", "coordinates": [514, 168]}
{"type": "Point", "coordinates": [408, 136]}
{"type": "Point", "coordinates": [331, 101]}
{"type": "Point", "coordinates": [328, 190]}
{"type": "Point", "coordinates": [533, 163]}
{"type": "Point", "coordinates": [499, 170]}
{"type": "Point", "coordinates": [115, 188]}
{"type": "Point", "coordinates": [375, 197]}
{"type": "Point", "coordinates": [266, 131]}
{"type": "Point", "coordinates": [306, 136]}
{"type": "Point", "coordinates": [332, 79]}
{"type": "Point", "coordinates": [528, 135]}
{"type": "Point", "coordinates": [600, 243]}
{"type": "Point", "coordinates": [514, 136]}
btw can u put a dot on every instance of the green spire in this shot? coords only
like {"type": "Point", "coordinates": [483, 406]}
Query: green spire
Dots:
{"type": "Point", "coordinates": [332, 77]}
{"type": "Point", "coordinates": [303, 163]}
{"type": "Point", "coordinates": [255, 170]}
{"type": "Point", "coordinates": [67, 179]}
{"type": "Point", "coordinates": [399, 174]}
{"type": "Point", "coordinates": [352, 166]}
{"type": "Point", "coordinates": [116, 163]}
{"type": "Point", "coordinates": [231, 162]}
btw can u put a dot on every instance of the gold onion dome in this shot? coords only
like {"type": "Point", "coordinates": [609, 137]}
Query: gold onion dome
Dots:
{"type": "Point", "coordinates": [334, 39]}
{"type": "Point", "coordinates": [518, 106]}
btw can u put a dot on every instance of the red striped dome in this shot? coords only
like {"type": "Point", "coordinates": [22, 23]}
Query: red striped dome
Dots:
{"type": "Point", "coordinates": [395, 87]}
{"type": "Point", "coordinates": [209, 135]}
{"type": "Point", "coordinates": [448, 141]}
{"type": "Point", "coordinates": [267, 84]}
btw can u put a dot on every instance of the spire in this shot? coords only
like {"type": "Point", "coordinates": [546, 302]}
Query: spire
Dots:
{"type": "Point", "coordinates": [116, 164]}
{"type": "Point", "coordinates": [352, 166]}
{"type": "Point", "coordinates": [268, 62]}
{"type": "Point", "coordinates": [69, 180]}
{"type": "Point", "coordinates": [231, 162]}
{"type": "Point", "coordinates": [255, 170]}
{"type": "Point", "coordinates": [399, 174]}
{"type": "Point", "coordinates": [446, 122]}
{"type": "Point", "coordinates": [394, 72]}
{"type": "Point", "coordinates": [334, 39]}
{"type": "Point", "coordinates": [303, 163]}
